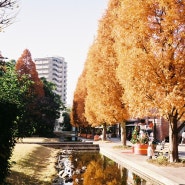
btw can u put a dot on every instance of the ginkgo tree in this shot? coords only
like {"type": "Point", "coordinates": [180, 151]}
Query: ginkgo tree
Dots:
{"type": "Point", "coordinates": [150, 44]}
{"type": "Point", "coordinates": [78, 118]}
{"type": "Point", "coordinates": [103, 103]}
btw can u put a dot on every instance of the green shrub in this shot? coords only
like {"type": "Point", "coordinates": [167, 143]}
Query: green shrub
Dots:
{"type": "Point", "coordinates": [162, 160]}
{"type": "Point", "coordinates": [7, 141]}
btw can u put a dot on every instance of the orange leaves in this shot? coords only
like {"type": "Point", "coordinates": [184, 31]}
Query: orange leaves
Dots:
{"type": "Point", "coordinates": [25, 66]}
{"type": "Point", "coordinates": [137, 60]}
{"type": "Point", "coordinates": [78, 109]}
{"type": "Point", "coordinates": [95, 174]}
{"type": "Point", "coordinates": [151, 61]}
{"type": "Point", "coordinates": [103, 103]}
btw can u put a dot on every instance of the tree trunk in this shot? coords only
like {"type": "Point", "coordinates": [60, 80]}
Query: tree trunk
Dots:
{"type": "Point", "coordinates": [104, 132]}
{"type": "Point", "coordinates": [123, 133]}
{"type": "Point", "coordinates": [154, 130]}
{"type": "Point", "coordinates": [173, 140]}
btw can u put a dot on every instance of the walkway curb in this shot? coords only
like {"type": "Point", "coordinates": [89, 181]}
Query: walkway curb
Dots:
{"type": "Point", "coordinates": [138, 164]}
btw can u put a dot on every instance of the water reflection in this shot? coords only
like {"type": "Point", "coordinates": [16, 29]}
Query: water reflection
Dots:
{"type": "Point", "coordinates": [88, 168]}
{"type": "Point", "coordinates": [99, 170]}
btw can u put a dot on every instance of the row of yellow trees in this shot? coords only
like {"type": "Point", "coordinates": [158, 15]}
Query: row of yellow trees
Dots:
{"type": "Point", "coordinates": [135, 67]}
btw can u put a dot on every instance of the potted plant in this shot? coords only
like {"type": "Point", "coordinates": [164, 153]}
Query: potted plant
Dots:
{"type": "Point", "coordinates": [140, 141]}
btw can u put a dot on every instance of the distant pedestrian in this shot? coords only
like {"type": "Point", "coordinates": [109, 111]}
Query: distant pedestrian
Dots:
{"type": "Point", "coordinates": [183, 137]}
{"type": "Point", "coordinates": [162, 144]}
{"type": "Point", "coordinates": [150, 151]}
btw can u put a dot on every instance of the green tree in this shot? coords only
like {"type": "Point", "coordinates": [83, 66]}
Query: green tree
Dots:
{"type": "Point", "coordinates": [49, 107]}
{"type": "Point", "coordinates": [31, 113]}
{"type": "Point", "coordinates": [11, 93]}
{"type": "Point", "coordinates": [66, 124]}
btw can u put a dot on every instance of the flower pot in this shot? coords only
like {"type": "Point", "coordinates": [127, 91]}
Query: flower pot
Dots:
{"type": "Point", "coordinates": [96, 138]}
{"type": "Point", "coordinates": [140, 149]}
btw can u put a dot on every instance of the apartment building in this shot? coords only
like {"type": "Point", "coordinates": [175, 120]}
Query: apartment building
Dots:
{"type": "Point", "coordinates": [54, 69]}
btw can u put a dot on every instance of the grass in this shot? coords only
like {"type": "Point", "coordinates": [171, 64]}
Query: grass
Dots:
{"type": "Point", "coordinates": [163, 161]}
{"type": "Point", "coordinates": [122, 147]}
{"type": "Point", "coordinates": [32, 164]}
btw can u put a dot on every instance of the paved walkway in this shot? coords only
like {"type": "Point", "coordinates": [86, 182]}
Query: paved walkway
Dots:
{"type": "Point", "coordinates": [138, 163]}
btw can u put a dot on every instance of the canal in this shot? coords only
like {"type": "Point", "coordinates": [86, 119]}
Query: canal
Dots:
{"type": "Point", "coordinates": [92, 168]}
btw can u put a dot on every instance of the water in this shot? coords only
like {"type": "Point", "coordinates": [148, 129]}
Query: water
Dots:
{"type": "Point", "coordinates": [91, 168]}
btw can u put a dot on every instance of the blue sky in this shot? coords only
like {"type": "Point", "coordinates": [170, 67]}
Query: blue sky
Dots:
{"type": "Point", "coordinates": [63, 28]}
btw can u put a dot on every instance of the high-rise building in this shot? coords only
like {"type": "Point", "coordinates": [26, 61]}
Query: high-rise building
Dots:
{"type": "Point", "coordinates": [54, 69]}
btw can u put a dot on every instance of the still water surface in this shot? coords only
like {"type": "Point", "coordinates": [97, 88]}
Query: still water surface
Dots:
{"type": "Point", "coordinates": [91, 168]}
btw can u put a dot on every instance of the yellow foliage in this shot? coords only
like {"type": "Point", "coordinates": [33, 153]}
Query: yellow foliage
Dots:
{"type": "Point", "coordinates": [102, 172]}
{"type": "Point", "coordinates": [78, 108]}
{"type": "Point", "coordinates": [135, 67]}
{"type": "Point", "coordinates": [103, 102]}
{"type": "Point", "coordinates": [151, 66]}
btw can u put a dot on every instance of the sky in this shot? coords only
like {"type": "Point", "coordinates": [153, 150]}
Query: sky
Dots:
{"type": "Point", "coordinates": [64, 28]}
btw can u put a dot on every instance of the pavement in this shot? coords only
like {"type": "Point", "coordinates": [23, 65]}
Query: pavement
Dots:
{"type": "Point", "coordinates": [156, 175]}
